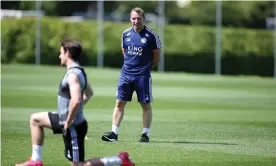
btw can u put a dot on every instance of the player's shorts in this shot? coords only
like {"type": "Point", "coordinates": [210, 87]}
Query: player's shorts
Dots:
{"type": "Point", "coordinates": [142, 85]}
{"type": "Point", "coordinates": [74, 139]}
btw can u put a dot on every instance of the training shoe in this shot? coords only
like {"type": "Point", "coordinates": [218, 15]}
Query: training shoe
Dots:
{"type": "Point", "coordinates": [30, 162]}
{"type": "Point", "coordinates": [110, 137]}
{"type": "Point", "coordinates": [125, 159]}
{"type": "Point", "coordinates": [144, 138]}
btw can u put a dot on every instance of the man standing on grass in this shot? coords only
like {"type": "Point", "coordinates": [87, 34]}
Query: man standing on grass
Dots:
{"type": "Point", "coordinates": [74, 91]}
{"type": "Point", "coordinates": [141, 49]}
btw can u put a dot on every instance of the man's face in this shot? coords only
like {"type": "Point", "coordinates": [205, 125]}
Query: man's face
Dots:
{"type": "Point", "coordinates": [63, 56]}
{"type": "Point", "coordinates": [136, 19]}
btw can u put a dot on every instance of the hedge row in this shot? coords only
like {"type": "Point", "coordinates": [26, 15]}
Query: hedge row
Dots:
{"type": "Point", "coordinates": [187, 48]}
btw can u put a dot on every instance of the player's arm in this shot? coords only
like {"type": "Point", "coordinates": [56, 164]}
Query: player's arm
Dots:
{"type": "Point", "coordinates": [123, 45]}
{"type": "Point", "coordinates": [156, 57]}
{"type": "Point", "coordinates": [123, 51]}
{"type": "Point", "coordinates": [76, 97]}
{"type": "Point", "coordinates": [88, 93]}
{"type": "Point", "coordinates": [156, 49]}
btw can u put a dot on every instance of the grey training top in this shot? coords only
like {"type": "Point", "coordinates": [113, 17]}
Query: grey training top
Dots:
{"type": "Point", "coordinates": [64, 95]}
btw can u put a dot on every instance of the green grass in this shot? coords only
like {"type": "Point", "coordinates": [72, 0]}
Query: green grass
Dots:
{"type": "Point", "coordinates": [198, 120]}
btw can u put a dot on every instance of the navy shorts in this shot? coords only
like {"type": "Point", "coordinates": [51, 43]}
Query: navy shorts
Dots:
{"type": "Point", "coordinates": [142, 85]}
{"type": "Point", "coordinates": [74, 149]}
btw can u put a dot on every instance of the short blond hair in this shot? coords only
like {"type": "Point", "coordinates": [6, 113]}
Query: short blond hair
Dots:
{"type": "Point", "coordinates": [139, 10]}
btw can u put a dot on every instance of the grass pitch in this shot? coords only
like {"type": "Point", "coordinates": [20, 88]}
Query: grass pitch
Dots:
{"type": "Point", "coordinates": [198, 120]}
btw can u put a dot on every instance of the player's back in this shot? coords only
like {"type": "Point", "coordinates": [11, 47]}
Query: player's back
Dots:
{"type": "Point", "coordinates": [139, 48]}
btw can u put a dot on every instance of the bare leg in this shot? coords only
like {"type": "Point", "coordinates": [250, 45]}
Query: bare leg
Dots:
{"type": "Point", "coordinates": [92, 162]}
{"type": "Point", "coordinates": [122, 158]}
{"type": "Point", "coordinates": [118, 115]}
{"type": "Point", "coordinates": [147, 114]}
{"type": "Point", "coordinates": [147, 118]}
{"type": "Point", "coordinates": [118, 112]}
{"type": "Point", "coordinates": [37, 122]}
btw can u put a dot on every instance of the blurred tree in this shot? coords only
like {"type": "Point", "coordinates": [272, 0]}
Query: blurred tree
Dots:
{"type": "Point", "coordinates": [236, 13]}
{"type": "Point", "coordinates": [67, 8]}
{"type": "Point", "coordinates": [50, 7]}
{"type": "Point", "coordinates": [172, 9]}
{"type": "Point", "coordinates": [10, 5]}
{"type": "Point", "coordinates": [201, 12]}
{"type": "Point", "coordinates": [250, 14]}
{"type": "Point", "coordinates": [27, 5]}
{"type": "Point", "coordinates": [261, 10]}
{"type": "Point", "coordinates": [147, 6]}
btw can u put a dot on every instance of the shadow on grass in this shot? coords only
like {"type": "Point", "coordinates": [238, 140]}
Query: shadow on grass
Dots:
{"type": "Point", "coordinates": [194, 142]}
{"type": "Point", "coordinates": [175, 142]}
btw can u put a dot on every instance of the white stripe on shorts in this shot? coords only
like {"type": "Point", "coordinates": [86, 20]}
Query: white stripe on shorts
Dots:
{"type": "Point", "coordinates": [75, 146]}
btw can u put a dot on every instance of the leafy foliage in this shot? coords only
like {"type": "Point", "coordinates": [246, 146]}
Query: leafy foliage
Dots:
{"type": "Point", "coordinates": [187, 48]}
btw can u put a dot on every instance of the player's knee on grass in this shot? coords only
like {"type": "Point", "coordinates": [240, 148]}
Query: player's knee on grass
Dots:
{"type": "Point", "coordinates": [92, 162]}
{"type": "Point", "coordinates": [78, 164]}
